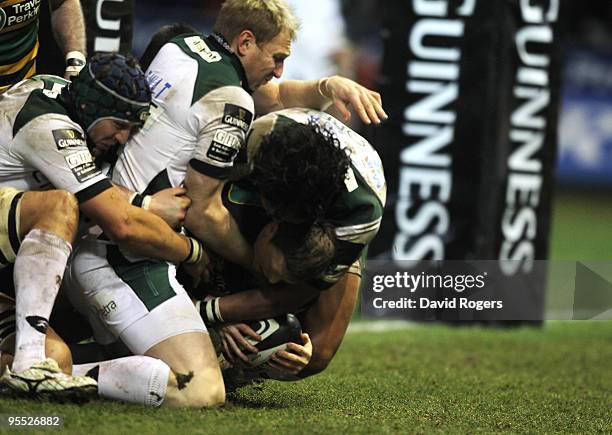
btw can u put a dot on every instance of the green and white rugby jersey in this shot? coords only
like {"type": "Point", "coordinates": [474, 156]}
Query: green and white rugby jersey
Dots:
{"type": "Point", "coordinates": [201, 113]}
{"type": "Point", "coordinates": [355, 215]}
{"type": "Point", "coordinates": [18, 40]}
{"type": "Point", "coordinates": [40, 146]}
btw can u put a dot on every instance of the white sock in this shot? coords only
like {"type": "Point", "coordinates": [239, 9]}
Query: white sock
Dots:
{"type": "Point", "coordinates": [133, 379]}
{"type": "Point", "coordinates": [82, 369]}
{"type": "Point", "coordinates": [38, 273]}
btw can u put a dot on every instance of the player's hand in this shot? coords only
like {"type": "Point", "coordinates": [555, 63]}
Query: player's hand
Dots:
{"type": "Point", "coordinates": [234, 342]}
{"type": "Point", "coordinates": [171, 205]}
{"type": "Point", "coordinates": [295, 358]}
{"type": "Point", "coordinates": [346, 93]}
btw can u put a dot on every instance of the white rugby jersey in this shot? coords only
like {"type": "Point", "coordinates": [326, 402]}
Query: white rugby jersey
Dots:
{"type": "Point", "coordinates": [201, 113]}
{"type": "Point", "coordinates": [40, 146]}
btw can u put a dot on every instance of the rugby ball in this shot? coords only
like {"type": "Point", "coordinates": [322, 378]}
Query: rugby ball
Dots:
{"type": "Point", "coordinates": [276, 334]}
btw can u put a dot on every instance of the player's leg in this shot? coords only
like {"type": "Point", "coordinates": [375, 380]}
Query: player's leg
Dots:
{"type": "Point", "coordinates": [49, 377]}
{"type": "Point", "coordinates": [45, 223]}
{"type": "Point", "coordinates": [180, 371]}
{"type": "Point", "coordinates": [36, 232]}
{"type": "Point", "coordinates": [143, 305]}
{"type": "Point", "coordinates": [195, 378]}
{"type": "Point", "coordinates": [326, 321]}
{"type": "Point", "coordinates": [174, 333]}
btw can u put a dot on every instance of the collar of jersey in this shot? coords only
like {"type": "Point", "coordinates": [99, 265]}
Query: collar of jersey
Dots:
{"type": "Point", "coordinates": [219, 42]}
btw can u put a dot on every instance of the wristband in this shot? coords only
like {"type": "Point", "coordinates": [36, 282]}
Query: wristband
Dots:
{"type": "Point", "coordinates": [195, 251]}
{"type": "Point", "coordinates": [142, 201]}
{"type": "Point", "coordinates": [319, 87]}
{"type": "Point", "coordinates": [75, 61]}
{"type": "Point", "coordinates": [209, 311]}
{"type": "Point", "coordinates": [328, 100]}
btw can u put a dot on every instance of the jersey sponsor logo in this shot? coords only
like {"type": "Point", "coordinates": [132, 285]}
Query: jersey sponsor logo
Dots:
{"type": "Point", "coordinates": [224, 138]}
{"type": "Point", "coordinates": [197, 45]}
{"type": "Point", "coordinates": [224, 147]}
{"type": "Point", "coordinates": [68, 138]}
{"type": "Point", "coordinates": [221, 153]}
{"type": "Point", "coordinates": [106, 310]}
{"type": "Point", "coordinates": [82, 166]}
{"type": "Point", "coordinates": [237, 116]}
{"type": "Point", "coordinates": [18, 15]}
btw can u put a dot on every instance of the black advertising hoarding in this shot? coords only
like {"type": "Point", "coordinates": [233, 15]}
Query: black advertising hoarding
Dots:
{"type": "Point", "coordinates": [472, 89]}
{"type": "Point", "coordinates": [109, 24]}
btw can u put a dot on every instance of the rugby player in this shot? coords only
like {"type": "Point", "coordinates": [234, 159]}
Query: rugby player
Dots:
{"type": "Point", "coordinates": [278, 188]}
{"type": "Point", "coordinates": [45, 131]}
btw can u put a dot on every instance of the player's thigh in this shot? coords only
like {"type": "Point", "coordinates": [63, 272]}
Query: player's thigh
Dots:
{"type": "Point", "coordinates": [56, 211]}
{"type": "Point", "coordinates": [140, 303]}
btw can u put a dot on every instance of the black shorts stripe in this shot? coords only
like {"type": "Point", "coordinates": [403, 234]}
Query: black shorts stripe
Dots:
{"type": "Point", "coordinates": [13, 231]}
{"type": "Point", "coordinates": [93, 190]}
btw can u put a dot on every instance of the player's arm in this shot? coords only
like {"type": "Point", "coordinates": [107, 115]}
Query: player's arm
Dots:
{"type": "Point", "coordinates": [69, 31]}
{"type": "Point", "coordinates": [58, 149]}
{"type": "Point", "coordinates": [223, 118]}
{"type": "Point", "coordinates": [170, 204]}
{"type": "Point", "coordinates": [317, 94]}
{"type": "Point", "coordinates": [265, 302]}
{"type": "Point", "coordinates": [134, 229]}
{"type": "Point", "coordinates": [326, 321]}
{"type": "Point", "coordinates": [209, 220]}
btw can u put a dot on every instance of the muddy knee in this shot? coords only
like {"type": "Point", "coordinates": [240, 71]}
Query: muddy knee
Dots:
{"type": "Point", "coordinates": [199, 389]}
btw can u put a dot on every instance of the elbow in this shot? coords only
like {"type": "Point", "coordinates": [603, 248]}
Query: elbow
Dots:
{"type": "Point", "coordinates": [120, 233]}
{"type": "Point", "coordinates": [318, 363]}
{"type": "Point", "coordinates": [206, 216]}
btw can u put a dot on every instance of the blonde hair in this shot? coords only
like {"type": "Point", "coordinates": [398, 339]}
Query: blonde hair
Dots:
{"type": "Point", "coordinates": [265, 18]}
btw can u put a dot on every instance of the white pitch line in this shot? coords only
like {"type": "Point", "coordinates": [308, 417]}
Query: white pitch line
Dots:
{"type": "Point", "coordinates": [380, 326]}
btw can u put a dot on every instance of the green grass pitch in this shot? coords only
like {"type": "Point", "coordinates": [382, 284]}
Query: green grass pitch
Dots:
{"type": "Point", "coordinates": [424, 379]}
{"type": "Point", "coordinates": [418, 380]}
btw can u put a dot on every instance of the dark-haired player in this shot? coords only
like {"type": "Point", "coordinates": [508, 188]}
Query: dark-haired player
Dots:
{"type": "Point", "coordinates": [283, 185]}
{"type": "Point", "coordinates": [45, 130]}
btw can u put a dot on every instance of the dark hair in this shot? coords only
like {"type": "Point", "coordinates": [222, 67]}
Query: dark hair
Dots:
{"type": "Point", "coordinates": [160, 38]}
{"type": "Point", "coordinates": [299, 169]}
{"type": "Point", "coordinates": [308, 249]}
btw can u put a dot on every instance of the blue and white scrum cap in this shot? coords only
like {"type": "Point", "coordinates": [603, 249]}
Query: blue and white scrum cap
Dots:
{"type": "Point", "coordinates": [111, 86]}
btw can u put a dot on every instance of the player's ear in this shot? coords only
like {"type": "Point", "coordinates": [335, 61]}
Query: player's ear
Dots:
{"type": "Point", "coordinates": [245, 42]}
